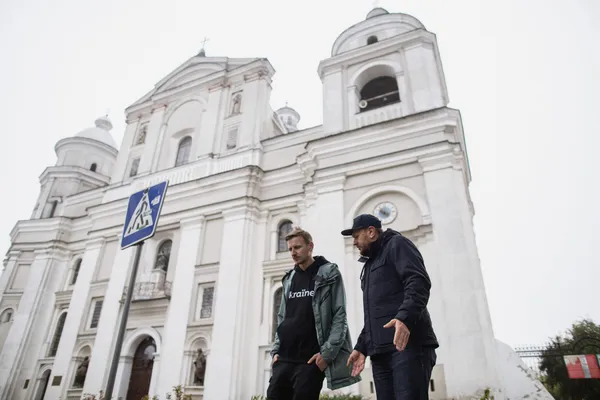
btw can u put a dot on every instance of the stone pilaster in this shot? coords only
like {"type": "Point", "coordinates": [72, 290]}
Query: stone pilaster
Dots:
{"type": "Point", "coordinates": [235, 307]}
{"type": "Point", "coordinates": [76, 313]}
{"type": "Point", "coordinates": [179, 307]}
{"type": "Point", "coordinates": [109, 323]}
{"type": "Point", "coordinates": [467, 323]}
{"type": "Point", "coordinates": [33, 313]}
{"type": "Point", "coordinates": [11, 261]}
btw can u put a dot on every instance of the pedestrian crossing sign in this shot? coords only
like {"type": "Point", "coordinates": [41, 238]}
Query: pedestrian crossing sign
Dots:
{"type": "Point", "coordinates": [143, 210]}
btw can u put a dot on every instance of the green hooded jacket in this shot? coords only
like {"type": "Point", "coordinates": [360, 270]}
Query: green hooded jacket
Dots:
{"type": "Point", "coordinates": [329, 308]}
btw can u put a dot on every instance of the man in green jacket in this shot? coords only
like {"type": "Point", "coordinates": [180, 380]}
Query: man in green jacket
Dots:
{"type": "Point", "coordinates": [312, 341]}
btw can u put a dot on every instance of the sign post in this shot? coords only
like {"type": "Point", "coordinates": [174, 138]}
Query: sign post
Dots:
{"type": "Point", "coordinates": [143, 211]}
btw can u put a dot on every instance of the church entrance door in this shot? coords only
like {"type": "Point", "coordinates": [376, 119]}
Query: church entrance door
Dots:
{"type": "Point", "coordinates": [141, 370]}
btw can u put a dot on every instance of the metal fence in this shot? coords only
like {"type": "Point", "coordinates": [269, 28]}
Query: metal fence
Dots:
{"type": "Point", "coordinates": [531, 356]}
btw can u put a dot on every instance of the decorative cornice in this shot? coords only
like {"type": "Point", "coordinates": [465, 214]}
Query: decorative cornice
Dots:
{"type": "Point", "coordinates": [193, 222]}
{"type": "Point", "coordinates": [383, 47]}
{"type": "Point", "coordinates": [71, 172]}
{"type": "Point", "coordinates": [330, 184]}
{"type": "Point", "coordinates": [437, 161]}
{"type": "Point", "coordinates": [246, 211]}
{"type": "Point", "coordinates": [308, 165]}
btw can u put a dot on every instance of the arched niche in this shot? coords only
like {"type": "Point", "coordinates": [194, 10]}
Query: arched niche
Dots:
{"type": "Point", "coordinates": [412, 210]}
{"type": "Point", "coordinates": [181, 119]}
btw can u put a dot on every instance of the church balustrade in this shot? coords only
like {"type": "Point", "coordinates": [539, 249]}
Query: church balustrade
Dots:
{"type": "Point", "coordinates": [149, 291]}
{"type": "Point", "coordinates": [378, 115]}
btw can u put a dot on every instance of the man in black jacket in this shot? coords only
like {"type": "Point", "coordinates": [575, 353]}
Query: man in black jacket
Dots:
{"type": "Point", "coordinates": [397, 333]}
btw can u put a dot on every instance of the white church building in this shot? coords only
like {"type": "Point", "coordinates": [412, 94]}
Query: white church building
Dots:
{"type": "Point", "coordinates": [240, 176]}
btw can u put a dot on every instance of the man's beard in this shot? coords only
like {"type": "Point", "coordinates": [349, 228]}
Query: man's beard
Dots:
{"type": "Point", "coordinates": [366, 251]}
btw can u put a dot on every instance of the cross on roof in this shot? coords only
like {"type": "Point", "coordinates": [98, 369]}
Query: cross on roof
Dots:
{"type": "Point", "coordinates": [204, 41]}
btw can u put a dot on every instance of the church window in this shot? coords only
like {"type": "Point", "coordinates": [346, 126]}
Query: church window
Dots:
{"type": "Point", "coordinates": [96, 314]}
{"type": "Point", "coordinates": [135, 164]}
{"type": "Point", "coordinates": [163, 256]}
{"type": "Point", "coordinates": [93, 167]}
{"type": "Point", "coordinates": [284, 229]}
{"type": "Point", "coordinates": [379, 92]}
{"type": "Point", "coordinates": [183, 151]}
{"type": "Point", "coordinates": [6, 316]}
{"type": "Point", "coordinates": [372, 39]}
{"type": "Point", "coordinates": [60, 324]}
{"type": "Point", "coordinates": [141, 138]}
{"type": "Point", "coordinates": [232, 136]}
{"type": "Point", "coordinates": [207, 302]}
{"type": "Point", "coordinates": [76, 271]}
{"type": "Point", "coordinates": [276, 303]}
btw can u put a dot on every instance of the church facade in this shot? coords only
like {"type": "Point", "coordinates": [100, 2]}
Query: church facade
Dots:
{"type": "Point", "coordinates": [240, 177]}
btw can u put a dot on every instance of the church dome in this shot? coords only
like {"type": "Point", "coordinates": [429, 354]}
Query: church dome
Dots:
{"type": "Point", "coordinates": [288, 117]}
{"type": "Point", "coordinates": [377, 11]}
{"type": "Point", "coordinates": [100, 132]}
{"type": "Point", "coordinates": [378, 25]}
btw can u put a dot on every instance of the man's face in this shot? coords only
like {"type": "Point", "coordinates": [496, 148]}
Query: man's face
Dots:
{"type": "Point", "coordinates": [300, 250]}
{"type": "Point", "coordinates": [363, 239]}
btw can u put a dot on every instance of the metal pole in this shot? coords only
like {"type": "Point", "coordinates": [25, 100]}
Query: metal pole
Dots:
{"type": "Point", "coordinates": [115, 360]}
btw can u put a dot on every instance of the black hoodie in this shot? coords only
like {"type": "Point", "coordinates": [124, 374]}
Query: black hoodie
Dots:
{"type": "Point", "coordinates": [297, 332]}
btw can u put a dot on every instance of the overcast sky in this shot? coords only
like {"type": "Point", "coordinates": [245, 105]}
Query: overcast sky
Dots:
{"type": "Point", "coordinates": [525, 75]}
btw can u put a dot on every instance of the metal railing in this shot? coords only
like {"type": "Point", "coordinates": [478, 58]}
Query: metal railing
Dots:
{"type": "Point", "coordinates": [150, 291]}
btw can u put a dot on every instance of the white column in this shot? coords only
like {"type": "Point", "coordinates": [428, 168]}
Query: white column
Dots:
{"type": "Point", "coordinates": [470, 351]}
{"type": "Point", "coordinates": [76, 313]}
{"type": "Point", "coordinates": [32, 301]}
{"type": "Point", "coordinates": [108, 324]}
{"type": "Point", "coordinates": [329, 242]}
{"type": "Point", "coordinates": [233, 308]}
{"type": "Point", "coordinates": [172, 348]}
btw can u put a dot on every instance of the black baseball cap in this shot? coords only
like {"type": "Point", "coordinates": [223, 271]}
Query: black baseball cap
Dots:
{"type": "Point", "coordinates": [362, 221]}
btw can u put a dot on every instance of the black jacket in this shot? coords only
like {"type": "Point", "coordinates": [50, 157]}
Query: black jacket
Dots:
{"type": "Point", "coordinates": [395, 284]}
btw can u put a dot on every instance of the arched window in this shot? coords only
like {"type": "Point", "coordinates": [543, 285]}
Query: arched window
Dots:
{"type": "Point", "coordinates": [372, 39]}
{"type": "Point", "coordinates": [93, 167]}
{"type": "Point", "coordinates": [276, 303]}
{"type": "Point", "coordinates": [75, 271]}
{"type": "Point", "coordinates": [7, 316]}
{"type": "Point", "coordinates": [183, 151]}
{"type": "Point", "coordinates": [379, 92]}
{"type": "Point", "coordinates": [163, 255]}
{"type": "Point", "coordinates": [284, 229]}
{"type": "Point", "coordinates": [60, 324]}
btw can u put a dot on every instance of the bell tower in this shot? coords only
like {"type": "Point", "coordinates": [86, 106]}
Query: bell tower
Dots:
{"type": "Point", "coordinates": [385, 67]}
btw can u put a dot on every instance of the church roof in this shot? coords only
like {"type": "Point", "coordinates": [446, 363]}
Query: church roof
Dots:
{"type": "Point", "coordinates": [196, 68]}
{"type": "Point", "coordinates": [380, 23]}
{"type": "Point", "coordinates": [100, 132]}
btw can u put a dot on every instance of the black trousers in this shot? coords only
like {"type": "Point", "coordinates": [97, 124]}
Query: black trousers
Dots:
{"type": "Point", "coordinates": [403, 375]}
{"type": "Point", "coordinates": [295, 381]}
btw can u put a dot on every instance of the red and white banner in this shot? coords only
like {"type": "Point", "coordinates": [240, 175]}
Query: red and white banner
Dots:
{"type": "Point", "coordinates": [583, 366]}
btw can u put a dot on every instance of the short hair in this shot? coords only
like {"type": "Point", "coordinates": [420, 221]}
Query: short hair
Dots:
{"type": "Point", "coordinates": [299, 232]}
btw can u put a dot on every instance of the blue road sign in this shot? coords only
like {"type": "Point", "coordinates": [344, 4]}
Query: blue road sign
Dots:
{"type": "Point", "coordinates": [142, 215]}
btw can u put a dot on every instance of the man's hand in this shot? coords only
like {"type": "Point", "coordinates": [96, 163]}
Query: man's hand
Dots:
{"type": "Point", "coordinates": [275, 358]}
{"type": "Point", "coordinates": [321, 363]}
{"type": "Point", "coordinates": [357, 359]}
{"type": "Point", "coordinates": [401, 335]}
